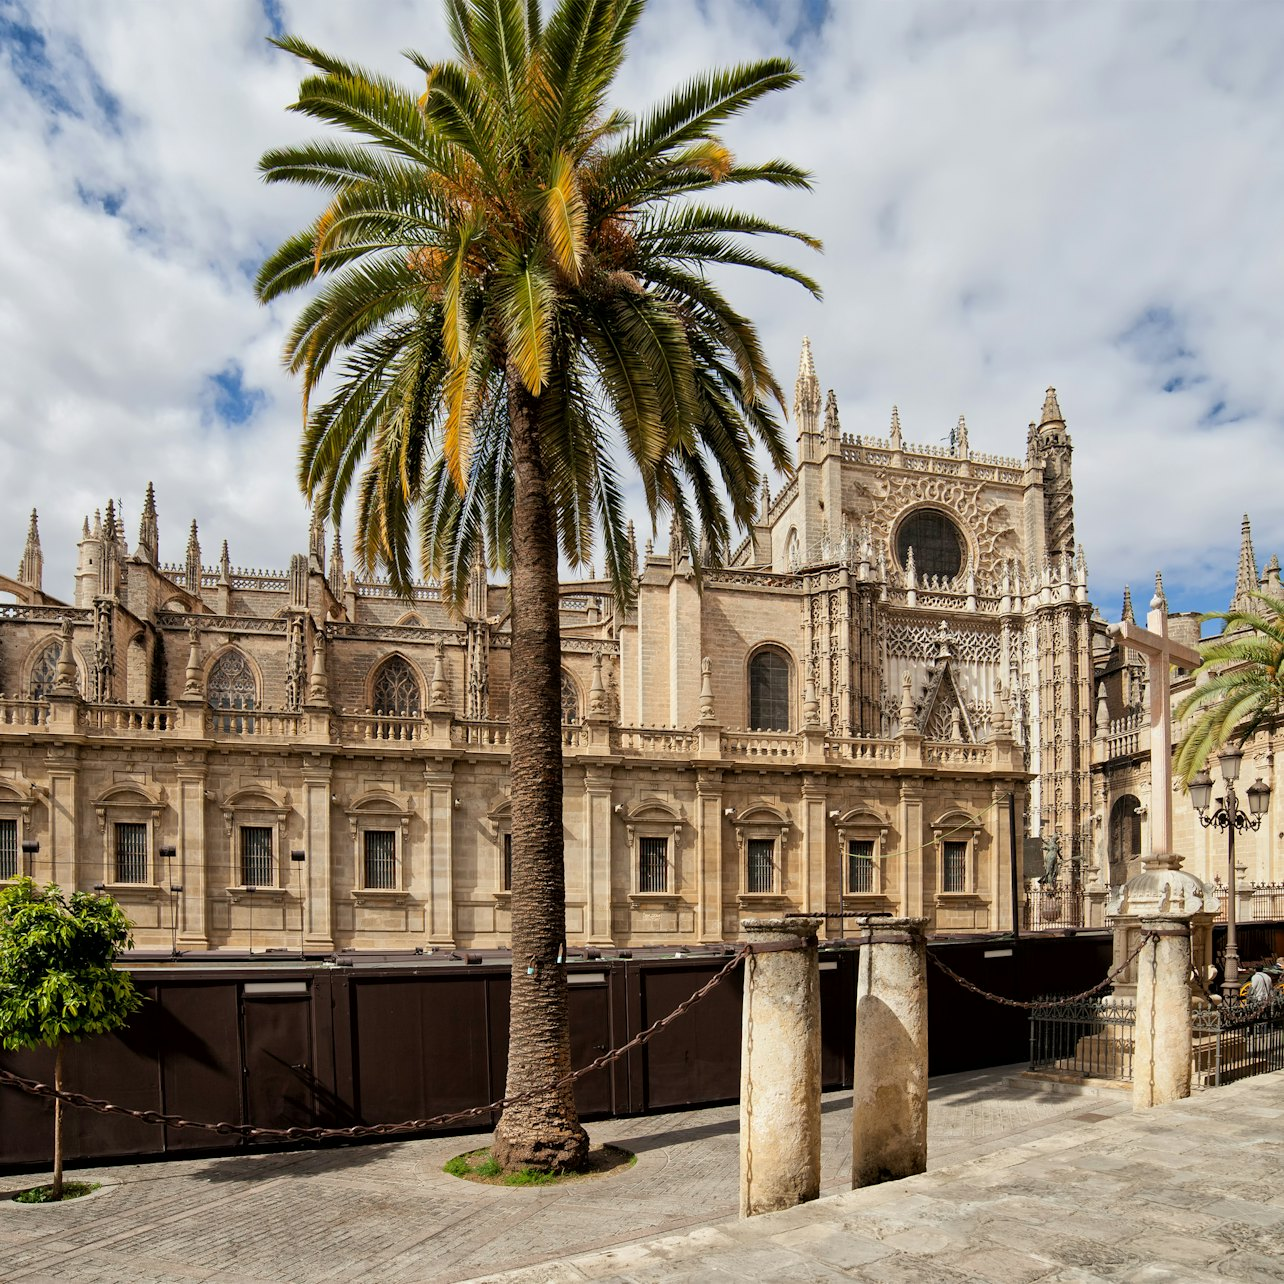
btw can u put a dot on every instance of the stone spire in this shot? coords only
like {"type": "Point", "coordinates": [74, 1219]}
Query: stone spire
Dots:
{"type": "Point", "coordinates": [149, 530]}
{"type": "Point", "coordinates": [806, 393]}
{"type": "Point", "coordinates": [1160, 601]}
{"type": "Point", "coordinates": [316, 542]}
{"type": "Point", "coordinates": [225, 566]}
{"type": "Point", "coordinates": [477, 598]}
{"type": "Point", "coordinates": [192, 579]}
{"type": "Point", "coordinates": [1051, 411]}
{"type": "Point", "coordinates": [335, 574]}
{"type": "Point", "coordinates": [1128, 614]}
{"type": "Point", "coordinates": [1246, 580]}
{"type": "Point", "coordinates": [121, 542]}
{"type": "Point", "coordinates": [109, 552]}
{"type": "Point", "coordinates": [895, 434]}
{"type": "Point", "coordinates": [32, 568]}
{"type": "Point", "coordinates": [960, 438]}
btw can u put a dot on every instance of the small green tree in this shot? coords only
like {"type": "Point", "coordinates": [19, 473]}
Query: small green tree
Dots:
{"type": "Point", "coordinates": [57, 981]}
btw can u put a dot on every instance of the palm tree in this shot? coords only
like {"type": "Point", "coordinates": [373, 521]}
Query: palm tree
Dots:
{"type": "Point", "coordinates": [515, 299]}
{"type": "Point", "coordinates": [1239, 683]}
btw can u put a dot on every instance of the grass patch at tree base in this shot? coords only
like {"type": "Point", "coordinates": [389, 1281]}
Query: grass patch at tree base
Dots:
{"type": "Point", "coordinates": [44, 1194]}
{"type": "Point", "coordinates": [480, 1166]}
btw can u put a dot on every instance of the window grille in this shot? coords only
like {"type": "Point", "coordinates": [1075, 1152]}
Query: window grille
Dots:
{"type": "Point", "coordinates": [44, 672]}
{"type": "Point", "coordinates": [860, 865]}
{"type": "Point", "coordinates": [653, 864]}
{"type": "Point", "coordinates": [8, 849]}
{"type": "Point", "coordinates": [769, 692]}
{"type": "Point", "coordinates": [131, 852]}
{"type": "Point", "coordinates": [256, 856]}
{"type": "Point", "coordinates": [396, 689]}
{"type": "Point", "coordinates": [762, 865]}
{"type": "Point", "coordinates": [954, 867]}
{"type": "Point", "coordinates": [937, 544]}
{"type": "Point", "coordinates": [570, 700]}
{"type": "Point", "coordinates": [381, 858]}
{"type": "Point", "coordinates": [508, 862]}
{"type": "Point", "coordinates": [231, 687]}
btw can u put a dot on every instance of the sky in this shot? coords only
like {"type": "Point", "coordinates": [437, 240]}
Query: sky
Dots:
{"type": "Point", "coordinates": [1084, 193]}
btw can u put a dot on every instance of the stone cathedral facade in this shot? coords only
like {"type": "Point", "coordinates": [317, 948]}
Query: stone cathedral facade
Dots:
{"type": "Point", "coordinates": [833, 721]}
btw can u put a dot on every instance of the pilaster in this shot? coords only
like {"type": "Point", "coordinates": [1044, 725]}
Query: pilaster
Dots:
{"type": "Point", "coordinates": [814, 833]}
{"type": "Point", "coordinates": [708, 870]}
{"type": "Point", "coordinates": [318, 930]}
{"type": "Point", "coordinates": [597, 854]}
{"type": "Point", "coordinates": [63, 858]}
{"type": "Point", "coordinates": [439, 817]}
{"type": "Point", "coordinates": [191, 778]}
{"type": "Point", "coordinates": [914, 856]}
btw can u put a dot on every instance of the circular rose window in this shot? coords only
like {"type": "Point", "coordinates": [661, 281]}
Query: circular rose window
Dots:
{"type": "Point", "coordinates": [937, 544]}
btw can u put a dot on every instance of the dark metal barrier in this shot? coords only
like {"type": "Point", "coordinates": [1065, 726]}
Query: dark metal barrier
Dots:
{"type": "Point", "coordinates": [1091, 1037]}
{"type": "Point", "coordinates": [1238, 1040]}
{"type": "Point", "coordinates": [382, 1040]}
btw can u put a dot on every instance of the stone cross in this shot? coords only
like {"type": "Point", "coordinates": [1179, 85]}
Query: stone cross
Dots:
{"type": "Point", "coordinates": [1161, 652]}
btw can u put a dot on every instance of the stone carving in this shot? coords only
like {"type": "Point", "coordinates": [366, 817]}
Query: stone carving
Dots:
{"type": "Point", "coordinates": [294, 674]}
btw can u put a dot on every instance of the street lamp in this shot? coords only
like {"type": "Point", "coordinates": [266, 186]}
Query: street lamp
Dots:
{"type": "Point", "coordinates": [1230, 816]}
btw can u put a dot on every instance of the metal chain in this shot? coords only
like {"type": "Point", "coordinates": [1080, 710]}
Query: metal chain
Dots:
{"type": "Point", "coordinates": [1110, 978]}
{"type": "Point", "coordinates": [250, 1132]}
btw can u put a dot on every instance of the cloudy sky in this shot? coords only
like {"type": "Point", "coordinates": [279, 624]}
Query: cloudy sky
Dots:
{"type": "Point", "coordinates": [1086, 194]}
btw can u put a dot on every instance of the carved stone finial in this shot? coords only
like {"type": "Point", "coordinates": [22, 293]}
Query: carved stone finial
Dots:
{"type": "Point", "coordinates": [1002, 721]}
{"type": "Point", "coordinates": [31, 571]}
{"type": "Point", "coordinates": [706, 690]}
{"type": "Point", "coordinates": [597, 690]}
{"type": "Point", "coordinates": [960, 438]}
{"type": "Point", "coordinates": [908, 718]}
{"type": "Point", "coordinates": [1128, 613]}
{"type": "Point", "coordinates": [192, 678]}
{"type": "Point", "coordinates": [149, 529]}
{"type": "Point", "coordinates": [438, 691]}
{"type": "Point", "coordinates": [807, 392]}
{"type": "Point", "coordinates": [1246, 580]}
{"type": "Point", "coordinates": [911, 580]}
{"type": "Point", "coordinates": [318, 679]}
{"type": "Point", "coordinates": [632, 541]}
{"type": "Point", "coordinates": [1159, 602]}
{"type": "Point", "coordinates": [1051, 410]}
{"type": "Point", "coordinates": [895, 433]}
{"type": "Point", "coordinates": [225, 566]}
{"type": "Point", "coordinates": [65, 673]}
{"type": "Point", "coordinates": [811, 706]}
{"type": "Point", "coordinates": [192, 570]}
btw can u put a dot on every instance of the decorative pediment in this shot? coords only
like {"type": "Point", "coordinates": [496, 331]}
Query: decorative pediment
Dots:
{"type": "Point", "coordinates": [378, 804]}
{"type": "Point", "coordinates": [943, 713]}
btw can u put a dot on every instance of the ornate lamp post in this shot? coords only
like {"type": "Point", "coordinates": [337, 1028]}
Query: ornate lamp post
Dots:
{"type": "Point", "coordinates": [1228, 815]}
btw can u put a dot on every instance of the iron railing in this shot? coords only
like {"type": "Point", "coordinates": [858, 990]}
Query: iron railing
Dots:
{"type": "Point", "coordinates": [1090, 1037]}
{"type": "Point", "coordinates": [1050, 906]}
{"type": "Point", "coordinates": [1237, 1040]}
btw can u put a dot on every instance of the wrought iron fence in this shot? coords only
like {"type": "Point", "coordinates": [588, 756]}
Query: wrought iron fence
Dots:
{"type": "Point", "coordinates": [1265, 902]}
{"type": "Point", "coordinates": [1049, 906]}
{"type": "Point", "coordinates": [1091, 1037]}
{"type": "Point", "coordinates": [1238, 1040]}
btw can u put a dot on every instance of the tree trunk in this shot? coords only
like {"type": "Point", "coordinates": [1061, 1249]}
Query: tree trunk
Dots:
{"type": "Point", "coordinates": [544, 1132]}
{"type": "Point", "coordinates": [57, 1165]}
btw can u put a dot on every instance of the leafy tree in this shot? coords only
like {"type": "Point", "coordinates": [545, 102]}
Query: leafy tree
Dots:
{"type": "Point", "coordinates": [57, 981]}
{"type": "Point", "coordinates": [516, 308]}
{"type": "Point", "coordinates": [1239, 684]}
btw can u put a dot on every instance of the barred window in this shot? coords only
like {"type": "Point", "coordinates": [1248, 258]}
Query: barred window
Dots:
{"type": "Point", "coordinates": [860, 865]}
{"type": "Point", "coordinates": [380, 857]}
{"type": "Point", "coordinates": [256, 856]}
{"type": "Point", "coordinates": [570, 700]}
{"type": "Point", "coordinates": [396, 689]}
{"type": "Point", "coordinates": [508, 863]}
{"type": "Point", "coordinates": [761, 874]}
{"type": "Point", "coordinates": [231, 686]}
{"type": "Point", "coordinates": [769, 692]}
{"type": "Point", "coordinates": [653, 864]}
{"type": "Point", "coordinates": [131, 852]}
{"type": "Point", "coordinates": [954, 867]}
{"type": "Point", "coordinates": [937, 544]}
{"type": "Point", "coordinates": [8, 849]}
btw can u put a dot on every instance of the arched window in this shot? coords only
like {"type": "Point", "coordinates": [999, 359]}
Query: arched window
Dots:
{"type": "Point", "coordinates": [396, 689]}
{"type": "Point", "coordinates": [1125, 837]}
{"type": "Point", "coordinates": [231, 686]}
{"type": "Point", "coordinates": [938, 546]}
{"type": "Point", "coordinates": [44, 671]}
{"type": "Point", "coordinates": [570, 699]}
{"type": "Point", "coordinates": [769, 691]}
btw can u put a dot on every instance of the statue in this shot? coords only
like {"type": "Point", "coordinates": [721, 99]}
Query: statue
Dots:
{"type": "Point", "coordinates": [1051, 859]}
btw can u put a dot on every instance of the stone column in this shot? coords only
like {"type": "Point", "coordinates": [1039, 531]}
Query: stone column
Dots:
{"type": "Point", "coordinates": [597, 845]}
{"type": "Point", "coordinates": [1162, 1041]}
{"type": "Point", "coordinates": [708, 855]}
{"type": "Point", "coordinates": [314, 806]}
{"type": "Point", "coordinates": [439, 816]}
{"type": "Point", "coordinates": [780, 1067]}
{"type": "Point", "coordinates": [193, 900]}
{"type": "Point", "coordinates": [889, 1073]}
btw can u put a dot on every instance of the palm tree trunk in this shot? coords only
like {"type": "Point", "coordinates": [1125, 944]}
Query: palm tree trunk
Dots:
{"type": "Point", "coordinates": [544, 1132]}
{"type": "Point", "coordinates": [57, 1164]}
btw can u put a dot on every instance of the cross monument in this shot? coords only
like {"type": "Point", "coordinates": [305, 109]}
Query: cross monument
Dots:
{"type": "Point", "coordinates": [1161, 652]}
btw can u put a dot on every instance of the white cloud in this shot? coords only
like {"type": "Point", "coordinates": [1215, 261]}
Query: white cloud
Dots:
{"type": "Point", "coordinates": [1084, 194]}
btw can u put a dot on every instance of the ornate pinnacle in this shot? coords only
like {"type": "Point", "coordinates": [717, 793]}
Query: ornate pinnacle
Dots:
{"type": "Point", "coordinates": [895, 433]}
{"type": "Point", "coordinates": [29, 572]}
{"type": "Point", "coordinates": [597, 692]}
{"type": "Point", "coordinates": [1159, 602]}
{"type": "Point", "coordinates": [439, 692]}
{"type": "Point", "coordinates": [907, 717]}
{"type": "Point", "coordinates": [806, 391]}
{"type": "Point", "coordinates": [706, 688]}
{"type": "Point", "coordinates": [1128, 613]}
{"type": "Point", "coordinates": [832, 430]}
{"type": "Point", "coordinates": [1246, 579]}
{"type": "Point", "coordinates": [960, 437]}
{"type": "Point", "coordinates": [1051, 410]}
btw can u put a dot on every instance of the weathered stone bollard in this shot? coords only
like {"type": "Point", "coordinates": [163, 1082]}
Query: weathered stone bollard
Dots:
{"type": "Point", "coordinates": [780, 1066]}
{"type": "Point", "coordinates": [1162, 1042]}
{"type": "Point", "coordinates": [889, 1093]}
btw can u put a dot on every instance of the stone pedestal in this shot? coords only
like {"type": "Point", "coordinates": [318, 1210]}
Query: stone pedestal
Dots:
{"type": "Point", "coordinates": [1161, 1059]}
{"type": "Point", "coordinates": [889, 1096]}
{"type": "Point", "coordinates": [780, 1067]}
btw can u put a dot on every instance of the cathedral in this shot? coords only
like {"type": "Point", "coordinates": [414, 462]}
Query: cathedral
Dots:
{"type": "Point", "coordinates": [836, 720]}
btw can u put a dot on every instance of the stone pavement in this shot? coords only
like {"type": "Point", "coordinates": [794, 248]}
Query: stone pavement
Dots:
{"type": "Point", "coordinates": [388, 1212]}
{"type": "Point", "coordinates": [1191, 1191]}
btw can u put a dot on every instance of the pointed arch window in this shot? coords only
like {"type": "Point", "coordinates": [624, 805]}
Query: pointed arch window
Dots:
{"type": "Point", "coordinates": [570, 700]}
{"type": "Point", "coordinates": [44, 671]}
{"type": "Point", "coordinates": [232, 687]}
{"type": "Point", "coordinates": [396, 689]}
{"type": "Point", "coordinates": [769, 673]}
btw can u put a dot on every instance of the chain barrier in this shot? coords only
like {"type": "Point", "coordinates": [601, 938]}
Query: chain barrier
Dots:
{"type": "Point", "coordinates": [1028, 1006]}
{"type": "Point", "coordinates": [250, 1132]}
